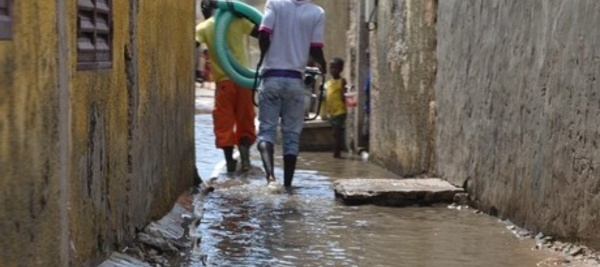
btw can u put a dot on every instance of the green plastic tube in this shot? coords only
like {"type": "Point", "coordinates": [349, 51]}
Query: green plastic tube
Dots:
{"type": "Point", "coordinates": [237, 72]}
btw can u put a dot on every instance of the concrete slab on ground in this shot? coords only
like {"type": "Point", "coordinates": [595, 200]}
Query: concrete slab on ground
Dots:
{"type": "Point", "coordinates": [395, 192]}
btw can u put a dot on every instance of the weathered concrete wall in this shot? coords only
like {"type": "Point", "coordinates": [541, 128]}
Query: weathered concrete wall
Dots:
{"type": "Point", "coordinates": [518, 103]}
{"type": "Point", "coordinates": [166, 98]}
{"type": "Point", "coordinates": [133, 150]}
{"type": "Point", "coordinates": [128, 129]}
{"type": "Point", "coordinates": [29, 192]}
{"type": "Point", "coordinates": [357, 72]}
{"type": "Point", "coordinates": [403, 71]}
{"type": "Point", "coordinates": [337, 16]}
{"type": "Point", "coordinates": [99, 149]}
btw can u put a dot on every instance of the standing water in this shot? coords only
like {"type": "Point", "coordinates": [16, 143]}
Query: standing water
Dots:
{"type": "Point", "coordinates": [245, 225]}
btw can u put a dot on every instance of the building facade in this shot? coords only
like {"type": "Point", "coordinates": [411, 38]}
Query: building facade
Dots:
{"type": "Point", "coordinates": [96, 124]}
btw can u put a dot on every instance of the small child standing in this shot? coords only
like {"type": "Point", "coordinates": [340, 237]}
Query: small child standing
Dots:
{"type": "Point", "coordinates": [336, 104]}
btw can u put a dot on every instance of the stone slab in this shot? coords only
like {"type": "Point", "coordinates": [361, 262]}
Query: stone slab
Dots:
{"type": "Point", "coordinates": [395, 192]}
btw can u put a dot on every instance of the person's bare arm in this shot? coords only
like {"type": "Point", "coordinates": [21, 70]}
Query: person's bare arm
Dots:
{"type": "Point", "coordinates": [264, 42]}
{"type": "Point", "coordinates": [316, 52]}
{"type": "Point", "coordinates": [254, 32]}
{"type": "Point", "coordinates": [265, 29]}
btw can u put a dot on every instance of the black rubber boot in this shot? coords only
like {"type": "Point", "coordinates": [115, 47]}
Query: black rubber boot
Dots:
{"type": "Point", "coordinates": [244, 149]}
{"type": "Point", "coordinates": [266, 153]}
{"type": "Point", "coordinates": [197, 181]}
{"type": "Point", "coordinates": [245, 158]}
{"type": "Point", "coordinates": [231, 163]}
{"type": "Point", "coordinates": [289, 167]}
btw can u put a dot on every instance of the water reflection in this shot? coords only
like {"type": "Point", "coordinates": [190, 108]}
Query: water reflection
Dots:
{"type": "Point", "coordinates": [246, 225]}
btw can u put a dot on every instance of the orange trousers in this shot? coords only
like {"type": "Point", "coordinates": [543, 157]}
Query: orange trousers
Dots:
{"type": "Point", "coordinates": [233, 115]}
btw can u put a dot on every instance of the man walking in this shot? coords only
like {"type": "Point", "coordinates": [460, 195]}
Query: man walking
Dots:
{"type": "Point", "coordinates": [233, 114]}
{"type": "Point", "coordinates": [290, 31]}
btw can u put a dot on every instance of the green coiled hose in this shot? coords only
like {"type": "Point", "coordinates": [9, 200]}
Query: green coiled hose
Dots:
{"type": "Point", "coordinates": [226, 12]}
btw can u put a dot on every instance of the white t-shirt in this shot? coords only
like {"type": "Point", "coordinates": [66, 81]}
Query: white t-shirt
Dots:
{"type": "Point", "coordinates": [295, 26]}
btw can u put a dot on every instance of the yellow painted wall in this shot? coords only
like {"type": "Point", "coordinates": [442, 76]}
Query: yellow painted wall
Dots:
{"type": "Point", "coordinates": [150, 123]}
{"type": "Point", "coordinates": [98, 113]}
{"type": "Point", "coordinates": [28, 119]}
{"type": "Point", "coordinates": [166, 78]}
{"type": "Point", "coordinates": [131, 143]}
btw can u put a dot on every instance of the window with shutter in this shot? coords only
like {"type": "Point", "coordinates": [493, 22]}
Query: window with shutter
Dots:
{"type": "Point", "coordinates": [5, 20]}
{"type": "Point", "coordinates": [94, 34]}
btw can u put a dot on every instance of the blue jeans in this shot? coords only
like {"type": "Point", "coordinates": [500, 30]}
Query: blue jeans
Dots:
{"type": "Point", "coordinates": [281, 97]}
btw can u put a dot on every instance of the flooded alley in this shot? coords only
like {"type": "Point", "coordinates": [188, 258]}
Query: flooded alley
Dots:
{"type": "Point", "coordinates": [476, 124]}
{"type": "Point", "coordinates": [245, 225]}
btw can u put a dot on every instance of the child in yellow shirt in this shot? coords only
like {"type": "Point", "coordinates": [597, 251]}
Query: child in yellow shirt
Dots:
{"type": "Point", "coordinates": [336, 104]}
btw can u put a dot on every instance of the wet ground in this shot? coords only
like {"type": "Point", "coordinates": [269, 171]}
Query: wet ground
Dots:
{"type": "Point", "coordinates": [246, 225]}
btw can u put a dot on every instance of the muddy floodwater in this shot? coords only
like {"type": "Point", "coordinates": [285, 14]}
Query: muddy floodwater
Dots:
{"type": "Point", "coordinates": [245, 225]}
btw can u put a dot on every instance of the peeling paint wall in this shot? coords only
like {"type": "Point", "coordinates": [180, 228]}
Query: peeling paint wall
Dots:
{"type": "Point", "coordinates": [129, 130]}
{"type": "Point", "coordinates": [518, 104]}
{"type": "Point", "coordinates": [402, 52]}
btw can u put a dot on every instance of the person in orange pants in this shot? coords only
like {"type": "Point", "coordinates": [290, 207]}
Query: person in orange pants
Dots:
{"type": "Point", "coordinates": [233, 118]}
{"type": "Point", "coordinates": [233, 114]}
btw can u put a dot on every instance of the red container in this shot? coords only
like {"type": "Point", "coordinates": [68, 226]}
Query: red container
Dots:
{"type": "Point", "coordinates": [350, 99]}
